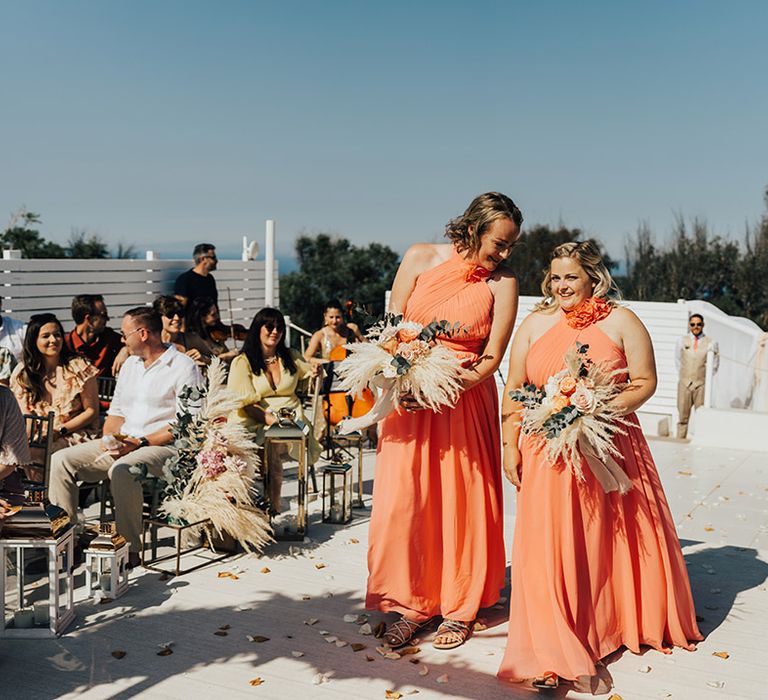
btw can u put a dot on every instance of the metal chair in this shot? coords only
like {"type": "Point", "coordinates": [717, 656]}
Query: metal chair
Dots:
{"type": "Point", "coordinates": [106, 388]}
{"type": "Point", "coordinates": [332, 440]}
{"type": "Point", "coordinates": [40, 435]}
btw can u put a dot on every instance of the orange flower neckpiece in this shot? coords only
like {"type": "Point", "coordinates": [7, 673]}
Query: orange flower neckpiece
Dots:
{"type": "Point", "coordinates": [588, 312]}
{"type": "Point", "coordinates": [472, 271]}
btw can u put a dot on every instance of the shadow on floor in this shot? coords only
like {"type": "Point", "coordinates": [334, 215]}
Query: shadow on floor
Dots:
{"type": "Point", "coordinates": [718, 575]}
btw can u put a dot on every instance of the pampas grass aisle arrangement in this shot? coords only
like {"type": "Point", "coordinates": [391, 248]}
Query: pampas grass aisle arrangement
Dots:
{"type": "Point", "coordinates": [212, 475]}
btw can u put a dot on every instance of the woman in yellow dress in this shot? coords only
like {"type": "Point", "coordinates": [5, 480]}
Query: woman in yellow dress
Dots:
{"type": "Point", "coordinates": [264, 378]}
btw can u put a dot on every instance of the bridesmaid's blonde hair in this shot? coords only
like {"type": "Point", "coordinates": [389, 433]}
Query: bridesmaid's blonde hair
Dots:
{"type": "Point", "coordinates": [588, 256]}
{"type": "Point", "coordinates": [483, 209]}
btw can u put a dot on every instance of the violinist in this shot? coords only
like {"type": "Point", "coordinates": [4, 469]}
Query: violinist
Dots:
{"type": "Point", "coordinates": [205, 326]}
{"type": "Point", "coordinates": [330, 341]}
{"type": "Point", "coordinates": [335, 333]}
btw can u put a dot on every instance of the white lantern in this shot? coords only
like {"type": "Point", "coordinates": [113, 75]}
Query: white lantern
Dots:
{"type": "Point", "coordinates": [106, 563]}
{"type": "Point", "coordinates": [36, 562]}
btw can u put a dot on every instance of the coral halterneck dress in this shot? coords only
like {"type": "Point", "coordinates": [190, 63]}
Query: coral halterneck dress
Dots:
{"type": "Point", "coordinates": [591, 571]}
{"type": "Point", "coordinates": [436, 543]}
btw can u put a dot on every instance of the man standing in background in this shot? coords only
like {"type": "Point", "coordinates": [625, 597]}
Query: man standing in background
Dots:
{"type": "Point", "coordinates": [691, 363]}
{"type": "Point", "coordinates": [198, 282]}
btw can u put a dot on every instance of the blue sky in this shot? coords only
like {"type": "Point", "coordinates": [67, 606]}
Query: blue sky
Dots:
{"type": "Point", "coordinates": [165, 123]}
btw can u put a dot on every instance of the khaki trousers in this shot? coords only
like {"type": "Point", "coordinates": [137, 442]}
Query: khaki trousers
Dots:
{"type": "Point", "coordinates": [88, 462]}
{"type": "Point", "coordinates": [687, 396]}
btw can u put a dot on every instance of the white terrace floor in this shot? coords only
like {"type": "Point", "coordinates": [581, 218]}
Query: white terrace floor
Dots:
{"type": "Point", "coordinates": [720, 502]}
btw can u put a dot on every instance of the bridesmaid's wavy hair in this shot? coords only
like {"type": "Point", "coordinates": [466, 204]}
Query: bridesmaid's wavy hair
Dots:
{"type": "Point", "coordinates": [465, 231]}
{"type": "Point", "coordinates": [32, 375]}
{"type": "Point", "coordinates": [252, 344]}
{"type": "Point", "coordinates": [588, 256]}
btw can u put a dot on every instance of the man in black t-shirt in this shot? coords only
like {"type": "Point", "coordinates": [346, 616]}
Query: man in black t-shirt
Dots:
{"type": "Point", "coordinates": [198, 282]}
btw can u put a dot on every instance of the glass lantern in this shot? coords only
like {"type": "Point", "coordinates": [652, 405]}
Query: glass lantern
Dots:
{"type": "Point", "coordinates": [337, 491]}
{"type": "Point", "coordinates": [289, 430]}
{"type": "Point", "coordinates": [36, 580]}
{"type": "Point", "coordinates": [106, 563]}
{"type": "Point", "coordinates": [349, 442]}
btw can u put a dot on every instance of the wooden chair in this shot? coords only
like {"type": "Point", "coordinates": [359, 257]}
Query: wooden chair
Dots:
{"type": "Point", "coordinates": [40, 435]}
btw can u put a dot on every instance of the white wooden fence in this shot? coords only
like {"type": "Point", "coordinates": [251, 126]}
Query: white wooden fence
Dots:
{"type": "Point", "coordinates": [36, 286]}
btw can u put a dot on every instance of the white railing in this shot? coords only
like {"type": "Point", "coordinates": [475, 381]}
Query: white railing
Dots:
{"type": "Point", "coordinates": [302, 333]}
{"type": "Point", "coordinates": [39, 285]}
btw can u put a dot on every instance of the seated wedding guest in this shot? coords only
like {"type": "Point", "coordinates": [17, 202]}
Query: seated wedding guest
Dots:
{"type": "Point", "coordinates": [7, 363]}
{"type": "Point", "coordinates": [204, 327]}
{"type": "Point", "coordinates": [91, 336]}
{"type": "Point", "coordinates": [51, 378]}
{"type": "Point", "coordinates": [264, 378]}
{"type": "Point", "coordinates": [14, 451]}
{"type": "Point", "coordinates": [198, 281]}
{"type": "Point", "coordinates": [171, 312]}
{"type": "Point", "coordinates": [11, 345]}
{"type": "Point", "coordinates": [143, 407]}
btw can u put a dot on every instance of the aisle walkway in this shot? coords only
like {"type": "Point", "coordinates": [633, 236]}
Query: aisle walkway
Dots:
{"type": "Point", "coordinates": [284, 618]}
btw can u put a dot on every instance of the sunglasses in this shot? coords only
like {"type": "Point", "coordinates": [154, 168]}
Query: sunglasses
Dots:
{"type": "Point", "coordinates": [135, 330]}
{"type": "Point", "coordinates": [171, 314]}
{"type": "Point", "coordinates": [270, 326]}
{"type": "Point", "coordinates": [696, 325]}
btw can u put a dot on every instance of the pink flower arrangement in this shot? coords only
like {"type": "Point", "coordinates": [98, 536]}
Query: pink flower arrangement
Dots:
{"type": "Point", "coordinates": [212, 462]}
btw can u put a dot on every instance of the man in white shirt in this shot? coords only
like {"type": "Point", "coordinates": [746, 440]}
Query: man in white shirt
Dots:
{"type": "Point", "coordinates": [691, 363]}
{"type": "Point", "coordinates": [139, 417]}
{"type": "Point", "coordinates": [11, 345]}
{"type": "Point", "coordinates": [14, 451]}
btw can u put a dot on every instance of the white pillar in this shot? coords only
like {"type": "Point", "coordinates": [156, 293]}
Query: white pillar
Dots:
{"type": "Point", "coordinates": [269, 261]}
{"type": "Point", "coordinates": [709, 373]}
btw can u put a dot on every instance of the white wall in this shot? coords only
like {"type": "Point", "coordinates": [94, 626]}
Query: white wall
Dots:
{"type": "Point", "coordinates": [738, 338]}
{"type": "Point", "coordinates": [35, 286]}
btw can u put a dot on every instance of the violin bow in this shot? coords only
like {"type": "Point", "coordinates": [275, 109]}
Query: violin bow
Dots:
{"type": "Point", "coordinates": [231, 319]}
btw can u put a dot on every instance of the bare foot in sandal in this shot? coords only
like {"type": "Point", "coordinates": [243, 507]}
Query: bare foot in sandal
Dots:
{"type": "Point", "coordinates": [451, 634]}
{"type": "Point", "coordinates": [401, 632]}
{"type": "Point", "coordinates": [547, 681]}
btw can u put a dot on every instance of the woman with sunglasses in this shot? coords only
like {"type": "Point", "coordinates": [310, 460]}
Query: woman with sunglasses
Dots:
{"type": "Point", "coordinates": [264, 378]}
{"type": "Point", "coordinates": [51, 378]}
{"type": "Point", "coordinates": [171, 311]}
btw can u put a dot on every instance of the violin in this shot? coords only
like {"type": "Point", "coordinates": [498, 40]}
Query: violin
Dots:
{"type": "Point", "coordinates": [222, 332]}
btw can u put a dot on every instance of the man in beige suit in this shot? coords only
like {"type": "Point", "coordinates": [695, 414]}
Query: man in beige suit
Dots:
{"type": "Point", "coordinates": [691, 362]}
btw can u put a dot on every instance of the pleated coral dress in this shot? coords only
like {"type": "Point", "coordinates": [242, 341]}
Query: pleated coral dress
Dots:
{"type": "Point", "coordinates": [591, 571]}
{"type": "Point", "coordinates": [436, 543]}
